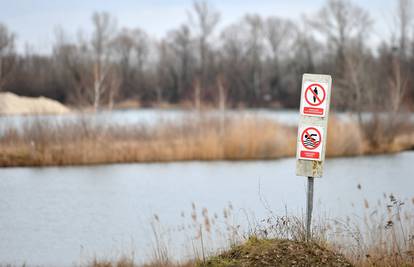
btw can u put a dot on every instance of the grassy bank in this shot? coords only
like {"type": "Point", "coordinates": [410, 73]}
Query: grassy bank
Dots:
{"type": "Point", "coordinates": [201, 138]}
{"type": "Point", "coordinates": [384, 236]}
{"type": "Point", "coordinates": [257, 253]}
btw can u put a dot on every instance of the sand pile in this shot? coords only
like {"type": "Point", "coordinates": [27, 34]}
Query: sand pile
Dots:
{"type": "Point", "coordinates": [11, 104]}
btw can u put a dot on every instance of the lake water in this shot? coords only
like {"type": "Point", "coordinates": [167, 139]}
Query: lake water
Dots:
{"type": "Point", "coordinates": [154, 116]}
{"type": "Point", "coordinates": [65, 216]}
{"type": "Point", "coordinates": [146, 117]}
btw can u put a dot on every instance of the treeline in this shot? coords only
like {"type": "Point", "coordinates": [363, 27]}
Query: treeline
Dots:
{"type": "Point", "coordinates": [253, 62]}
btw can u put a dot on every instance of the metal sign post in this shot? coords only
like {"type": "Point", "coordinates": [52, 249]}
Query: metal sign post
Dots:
{"type": "Point", "coordinates": [312, 133]}
{"type": "Point", "coordinates": [309, 208]}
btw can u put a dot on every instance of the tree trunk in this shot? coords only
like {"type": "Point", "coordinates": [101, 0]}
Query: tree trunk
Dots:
{"type": "Point", "coordinates": [197, 92]}
{"type": "Point", "coordinates": [1, 74]}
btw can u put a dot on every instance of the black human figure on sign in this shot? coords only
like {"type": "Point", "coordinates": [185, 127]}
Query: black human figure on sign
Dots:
{"type": "Point", "coordinates": [315, 90]}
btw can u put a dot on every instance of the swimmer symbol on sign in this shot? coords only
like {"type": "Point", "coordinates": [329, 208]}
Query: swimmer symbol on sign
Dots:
{"type": "Point", "coordinates": [311, 138]}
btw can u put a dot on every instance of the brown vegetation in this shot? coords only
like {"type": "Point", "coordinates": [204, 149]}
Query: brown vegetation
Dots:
{"type": "Point", "coordinates": [201, 138]}
{"type": "Point", "coordinates": [278, 252]}
{"type": "Point", "coordinates": [383, 238]}
{"type": "Point", "coordinates": [192, 139]}
{"type": "Point", "coordinates": [127, 262]}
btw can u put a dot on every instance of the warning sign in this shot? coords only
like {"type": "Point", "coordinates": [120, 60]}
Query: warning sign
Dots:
{"type": "Point", "coordinates": [310, 143]}
{"type": "Point", "coordinates": [314, 99]}
{"type": "Point", "coordinates": [313, 124]}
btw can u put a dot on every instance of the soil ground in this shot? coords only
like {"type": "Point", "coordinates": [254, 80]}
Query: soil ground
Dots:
{"type": "Point", "coordinates": [275, 252]}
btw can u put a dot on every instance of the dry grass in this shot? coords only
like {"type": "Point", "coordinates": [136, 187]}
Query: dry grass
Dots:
{"type": "Point", "coordinates": [384, 237]}
{"type": "Point", "coordinates": [348, 138]}
{"type": "Point", "coordinates": [201, 138]}
{"type": "Point", "coordinates": [344, 139]}
{"type": "Point", "coordinates": [206, 138]}
{"type": "Point", "coordinates": [123, 262]}
{"type": "Point", "coordinates": [126, 262]}
{"type": "Point", "coordinates": [278, 252]}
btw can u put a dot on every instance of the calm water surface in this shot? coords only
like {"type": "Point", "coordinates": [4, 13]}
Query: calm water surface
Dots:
{"type": "Point", "coordinates": [51, 216]}
{"type": "Point", "coordinates": [148, 116]}
{"type": "Point", "coordinates": [156, 116]}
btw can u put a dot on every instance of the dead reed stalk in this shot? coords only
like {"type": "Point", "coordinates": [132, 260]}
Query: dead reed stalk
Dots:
{"type": "Point", "coordinates": [81, 142]}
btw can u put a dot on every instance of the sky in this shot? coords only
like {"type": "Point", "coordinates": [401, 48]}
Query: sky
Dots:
{"type": "Point", "coordinates": [35, 21]}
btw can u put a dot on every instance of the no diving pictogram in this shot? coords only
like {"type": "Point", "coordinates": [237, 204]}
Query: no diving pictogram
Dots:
{"type": "Point", "coordinates": [311, 138]}
{"type": "Point", "coordinates": [315, 94]}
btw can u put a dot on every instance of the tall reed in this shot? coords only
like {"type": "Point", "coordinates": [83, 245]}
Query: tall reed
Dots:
{"type": "Point", "coordinates": [81, 141]}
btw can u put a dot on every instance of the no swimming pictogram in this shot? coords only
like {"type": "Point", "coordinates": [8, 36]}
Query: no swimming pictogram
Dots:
{"type": "Point", "coordinates": [311, 140]}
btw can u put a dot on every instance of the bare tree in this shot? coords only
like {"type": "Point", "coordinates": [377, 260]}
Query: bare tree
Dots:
{"type": "Point", "coordinates": [255, 52]}
{"type": "Point", "coordinates": [73, 66]}
{"type": "Point", "coordinates": [359, 93]}
{"type": "Point", "coordinates": [123, 46]}
{"type": "Point", "coordinates": [142, 52]}
{"type": "Point", "coordinates": [88, 63]}
{"type": "Point", "coordinates": [306, 49]}
{"type": "Point", "coordinates": [222, 94]}
{"type": "Point", "coordinates": [346, 27]}
{"type": "Point", "coordinates": [403, 20]}
{"type": "Point", "coordinates": [131, 50]}
{"type": "Point", "coordinates": [166, 75]}
{"type": "Point", "coordinates": [104, 28]}
{"type": "Point", "coordinates": [341, 22]}
{"type": "Point", "coordinates": [383, 101]}
{"type": "Point", "coordinates": [205, 22]}
{"type": "Point", "coordinates": [255, 61]}
{"type": "Point", "coordinates": [233, 60]}
{"type": "Point", "coordinates": [398, 76]}
{"type": "Point", "coordinates": [398, 85]}
{"type": "Point", "coordinates": [280, 36]}
{"type": "Point", "coordinates": [114, 85]}
{"type": "Point", "coordinates": [7, 58]}
{"type": "Point", "coordinates": [181, 42]}
{"type": "Point", "coordinates": [142, 48]}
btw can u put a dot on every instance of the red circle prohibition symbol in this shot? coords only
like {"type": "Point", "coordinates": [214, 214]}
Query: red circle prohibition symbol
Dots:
{"type": "Point", "coordinates": [318, 99]}
{"type": "Point", "coordinates": [316, 144]}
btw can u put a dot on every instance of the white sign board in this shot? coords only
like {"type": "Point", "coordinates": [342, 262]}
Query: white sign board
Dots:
{"type": "Point", "coordinates": [312, 138]}
{"type": "Point", "coordinates": [314, 99]}
{"type": "Point", "coordinates": [313, 123]}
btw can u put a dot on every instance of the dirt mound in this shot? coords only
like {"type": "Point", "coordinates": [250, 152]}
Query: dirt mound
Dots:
{"type": "Point", "coordinates": [11, 104]}
{"type": "Point", "coordinates": [273, 252]}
